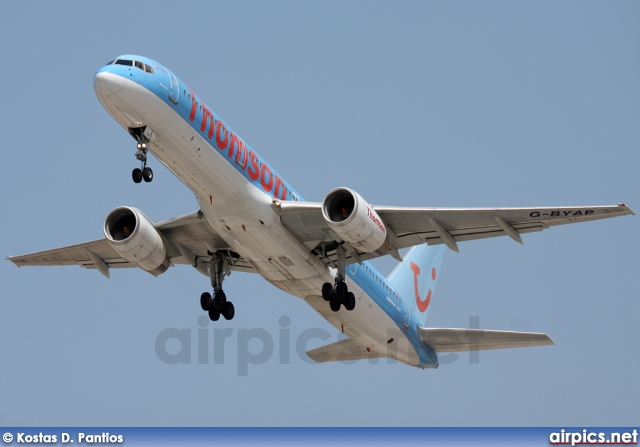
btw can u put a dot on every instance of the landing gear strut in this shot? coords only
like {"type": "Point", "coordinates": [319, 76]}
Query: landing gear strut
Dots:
{"type": "Point", "coordinates": [217, 304]}
{"type": "Point", "coordinates": [143, 172]}
{"type": "Point", "coordinates": [339, 294]}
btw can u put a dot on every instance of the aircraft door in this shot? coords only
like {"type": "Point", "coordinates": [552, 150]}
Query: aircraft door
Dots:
{"type": "Point", "coordinates": [407, 315]}
{"type": "Point", "coordinates": [174, 94]}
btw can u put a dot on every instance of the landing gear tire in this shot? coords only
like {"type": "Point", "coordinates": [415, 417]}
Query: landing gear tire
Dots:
{"type": "Point", "coordinates": [350, 302]}
{"type": "Point", "coordinates": [214, 314]}
{"type": "Point", "coordinates": [229, 311]}
{"type": "Point", "coordinates": [327, 291]}
{"type": "Point", "coordinates": [147, 175]}
{"type": "Point", "coordinates": [217, 305]}
{"type": "Point", "coordinates": [220, 301]}
{"type": "Point", "coordinates": [205, 301]}
{"type": "Point", "coordinates": [342, 291]}
{"type": "Point", "coordinates": [335, 305]}
{"type": "Point", "coordinates": [142, 147]}
{"type": "Point", "coordinates": [137, 175]}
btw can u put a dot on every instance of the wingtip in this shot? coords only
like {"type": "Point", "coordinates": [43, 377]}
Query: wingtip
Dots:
{"type": "Point", "coordinates": [622, 205]}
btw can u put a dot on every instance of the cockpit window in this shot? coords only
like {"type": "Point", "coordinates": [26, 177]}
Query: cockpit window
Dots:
{"type": "Point", "coordinates": [144, 67]}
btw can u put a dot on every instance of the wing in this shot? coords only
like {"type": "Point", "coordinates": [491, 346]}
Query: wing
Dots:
{"type": "Point", "coordinates": [414, 226]}
{"type": "Point", "coordinates": [189, 238]}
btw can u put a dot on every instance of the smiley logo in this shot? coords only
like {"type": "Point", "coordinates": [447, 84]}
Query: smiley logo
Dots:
{"type": "Point", "coordinates": [422, 304]}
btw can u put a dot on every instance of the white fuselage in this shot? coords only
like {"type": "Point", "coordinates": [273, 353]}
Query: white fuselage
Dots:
{"type": "Point", "coordinates": [241, 213]}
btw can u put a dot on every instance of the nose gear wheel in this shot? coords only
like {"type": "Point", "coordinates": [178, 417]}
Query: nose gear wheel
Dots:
{"type": "Point", "coordinates": [143, 172]}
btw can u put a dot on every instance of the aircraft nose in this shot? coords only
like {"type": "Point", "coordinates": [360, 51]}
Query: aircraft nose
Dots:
{"type": "Point", "coordinates": [107, 84]}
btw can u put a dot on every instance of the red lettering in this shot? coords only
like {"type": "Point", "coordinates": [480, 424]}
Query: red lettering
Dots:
{"type": "Point", "coordinates": [194, 106]}
{"type": "Point", "coordinates": [375, 220]}
{"type": "Point", "coordinates": [206, 117]}
{"type": "Point", "coordinates": [222, 136]}
{"type": "Point", "coordinates": [254, 169]}
{"type": "Point", "coordinates": [232, 146]}
{"type": "Point", "coordinates": [280, 184]}
{"type": "Point", "coordinates": [212, 128]}
{"type": "Point", "coordinates": [264, 171]}
{"type": "Point", "coordinates": [241, 158]}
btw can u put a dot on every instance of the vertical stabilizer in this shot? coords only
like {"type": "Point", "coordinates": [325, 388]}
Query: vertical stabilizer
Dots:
{"type": "Point", "coordinates": [415, 277]}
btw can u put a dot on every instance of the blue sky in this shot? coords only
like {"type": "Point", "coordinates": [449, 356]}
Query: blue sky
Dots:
{"type": "Point", "coordinates": [410, 103]}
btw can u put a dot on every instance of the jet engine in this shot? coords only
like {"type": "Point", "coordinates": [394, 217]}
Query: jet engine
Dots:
{"type": "Point", "coordinates": [134, 237]}
{"type": "Point", "coordinates": [354, 220]}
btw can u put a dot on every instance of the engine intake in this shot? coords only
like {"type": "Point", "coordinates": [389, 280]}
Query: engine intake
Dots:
{"type": "Point", "coordinates": [355, 221]}
{"type": "Point", "coordinates": [135, 238]}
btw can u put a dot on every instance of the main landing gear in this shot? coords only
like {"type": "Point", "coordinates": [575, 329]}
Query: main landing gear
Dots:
{"type": "Point", "coordinates": [143, 172]}
{"type": "Point", "coordinates": [217, 304]}
{"type": "Point", "coordinates": [338, 295]}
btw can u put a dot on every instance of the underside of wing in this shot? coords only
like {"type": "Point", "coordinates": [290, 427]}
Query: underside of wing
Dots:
{"type": "Point", "coordinates": [413, 226]}
{"type": "Point", "coordinates": [188, 239]}
{"type": "Point", "coordinates": [305, 222]}
{"type": "Point", "coordinates": [460, 340]}
{"type": "Point", "coordinates": [191, 239]}
{"type": "Point", "coordinates": [408, 227]}
{"type": "Point", "coordinates": [79, 254]}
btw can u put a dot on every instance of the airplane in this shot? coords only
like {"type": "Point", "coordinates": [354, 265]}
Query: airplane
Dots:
{"type": "Point", "coordinates": [250, 219]}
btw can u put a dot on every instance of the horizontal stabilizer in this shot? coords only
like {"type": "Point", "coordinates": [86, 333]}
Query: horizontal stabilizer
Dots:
{"type": "Point", "coordinates": [458, 340]}
{"type": "Point", "coordinates": [342, 351]}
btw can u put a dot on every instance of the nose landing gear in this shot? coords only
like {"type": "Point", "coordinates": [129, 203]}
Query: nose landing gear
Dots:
{"type": "Point", "coordinates": [142, 135]}
{"type": "Point", "coordinates": [144, 172]}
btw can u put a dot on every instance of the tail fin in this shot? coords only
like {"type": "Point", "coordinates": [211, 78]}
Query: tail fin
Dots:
{"type": "Point", "coordinates": [415, 277]}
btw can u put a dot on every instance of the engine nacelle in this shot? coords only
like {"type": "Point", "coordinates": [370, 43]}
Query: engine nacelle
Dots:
{"type": "Point", "coordinates": [134, 237]}
{"type": "Point", "coordinates": [354, 220]}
